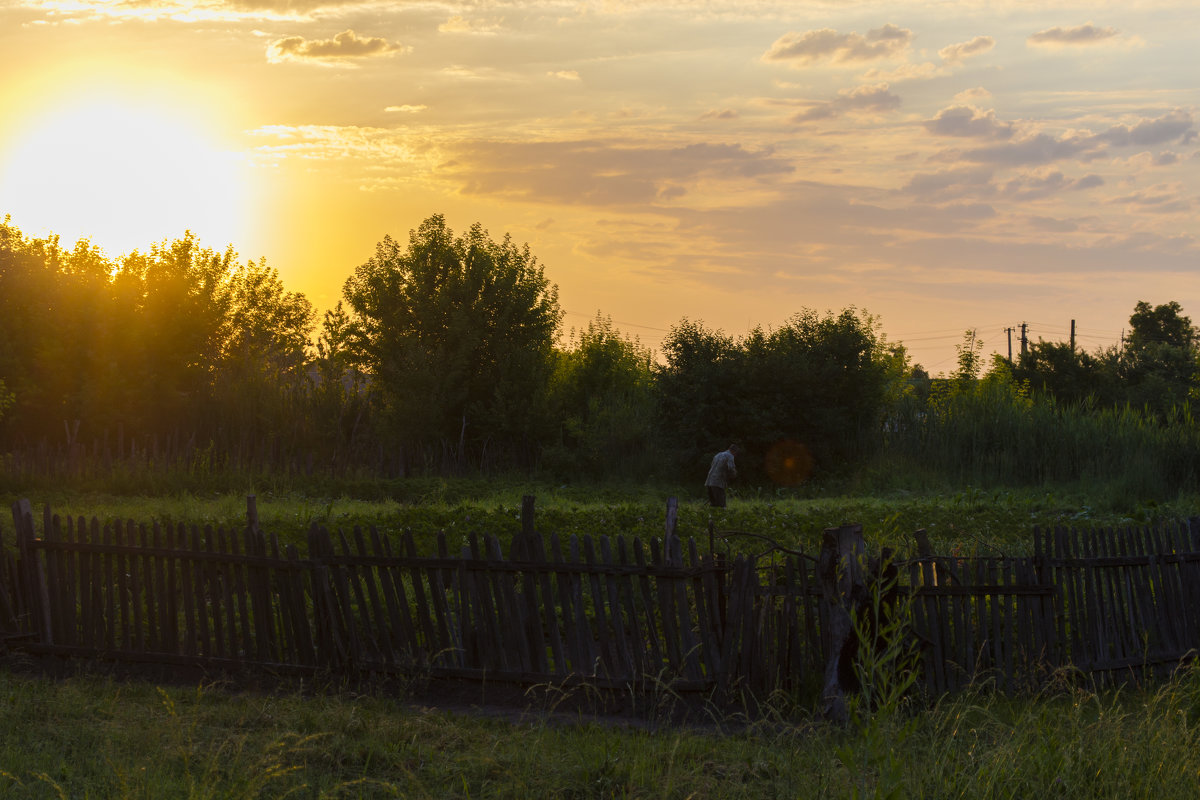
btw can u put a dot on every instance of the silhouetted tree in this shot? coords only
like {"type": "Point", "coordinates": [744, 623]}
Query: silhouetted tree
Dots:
{"type": "Point", "coordinates": [602, 393]}
{"type": "Point", "coordinates": [458, 334]}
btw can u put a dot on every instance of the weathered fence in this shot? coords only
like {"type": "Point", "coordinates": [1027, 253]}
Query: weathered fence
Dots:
{"type": "Point", "coordinates": [611, 611]}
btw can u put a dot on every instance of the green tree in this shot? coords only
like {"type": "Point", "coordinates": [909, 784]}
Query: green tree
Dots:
{"type": "Point", "coordinates": [340, 397]}
{"type": "Point", "coordinates": [822, 381]}
{"type": "Point", "coordinates": [602, 392]}
{"type": "Point", "coordinates": [1063, 372]}
{"type": "Point", "coordinates": [699, 393]}
{"type": "Point", "coordinates": [458, 334]}
{"type": "Point", "coordinates": [260, 383]}
{"type": "Point", "coordinates": [826, 381]}
{"type": "Point", "coordinates": [1156, 366]}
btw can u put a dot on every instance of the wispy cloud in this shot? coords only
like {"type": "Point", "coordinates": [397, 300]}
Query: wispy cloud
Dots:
{"type": "Point", "coordinates": [957, 53]}
{"type": "Point", "coordinates": [870, 99]}
{"type": "Point", "coordinates": [1044, 148]}
{"type": "Point", "coordinates": [1080, 35]}
{"type": "Point", "coordinates": [826, 44]}
{"type": "Point", "coordinates": [605, 173]}
{"type": "Point", "coordinates": [460, 24]}
{"type": "Point", "coordinates": [345, 46]}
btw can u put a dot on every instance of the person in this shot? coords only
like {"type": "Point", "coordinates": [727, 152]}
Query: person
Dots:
{"type": "Point", "coordinates": [722, 471]}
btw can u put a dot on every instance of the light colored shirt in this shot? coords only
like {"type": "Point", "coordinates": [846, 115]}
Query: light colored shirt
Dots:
{"type": "Point", "coordinates": [722, 470]}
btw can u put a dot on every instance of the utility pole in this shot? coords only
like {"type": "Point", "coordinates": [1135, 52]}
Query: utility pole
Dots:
{"type": "Point", "coordinates": [1072, 336]}
{"type": "Point", "coordinates": [1009, 332]}
{"type": "Point", "coordinates": [1024, 338]}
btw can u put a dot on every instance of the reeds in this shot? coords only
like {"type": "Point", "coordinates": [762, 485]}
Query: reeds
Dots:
{"type": "Point", "coordinates": [993, 434]}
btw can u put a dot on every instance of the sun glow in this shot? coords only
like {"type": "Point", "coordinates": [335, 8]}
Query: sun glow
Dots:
{"type": "Point", "coordinates": [124, 176]}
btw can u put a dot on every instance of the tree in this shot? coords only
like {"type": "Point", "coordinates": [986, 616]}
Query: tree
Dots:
{"type": "Point", "coordinates": [1157, 363]}
{"type": "Point", "coordinates": [602, 393]}
{"type": "Point", "coordinates": [260, 382]}
{"type": "Point", "coordinates": [458, 334]}
{"type": "Point", "coordinates": [970, 358]}
{"type": "Point", "coordinates": [699, 393]}
{"type": "Point", "coordinates": [824, 381]}
{"type": "Point", "coordinates": [1059, 370]}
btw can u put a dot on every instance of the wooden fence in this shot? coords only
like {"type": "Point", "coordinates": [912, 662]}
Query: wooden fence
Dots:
{"type": "Point", "coordinates": [611, 611]}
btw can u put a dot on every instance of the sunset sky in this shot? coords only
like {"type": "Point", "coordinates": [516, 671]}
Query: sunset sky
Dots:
{"type": "Point", "coordinates": [943, 166]}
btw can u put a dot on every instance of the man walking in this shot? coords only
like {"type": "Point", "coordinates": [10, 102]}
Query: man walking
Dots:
{"type": "Point", "coordinates": [720, 473]}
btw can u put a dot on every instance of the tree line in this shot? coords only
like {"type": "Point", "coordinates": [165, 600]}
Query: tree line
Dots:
{"type": "Point", "coordinates": [447, 354]}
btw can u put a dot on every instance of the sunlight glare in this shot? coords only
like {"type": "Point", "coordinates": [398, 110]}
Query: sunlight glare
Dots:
{"type": "Point", "coordinates": [123, 176]}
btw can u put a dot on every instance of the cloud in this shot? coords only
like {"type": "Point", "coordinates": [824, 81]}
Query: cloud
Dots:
{"type": "Point", "coordinates": [604, 173]}
{"type": "Point", "coordinates": [877, 98]}
{"type": "Point", "coordinates": [827, 44]}
{"type": "Point", "coordinates": [1024, 188]}
{"type": "Point", "coordinates": [565, 74]}
{"type": "Point", "coordinates": [970, 96]}
{"type": "Point", "coordinates": [1163, 198]}
{"type": "Point", "coordinates": [460, 24]}
{"type": "Point", "coordinates": [1037, 149]}
{"type": "Point", "coordinates": [957, 53]}
{"type": "Point", "coordinates": [968, 121]}
{"type": "Point", "coordinates": [343, 46]}
{"type": "Point", "coordinates": [951, 184]}
{"type": "Point", "coordinates": [337, 144]}
{"type": "Point", "coordinates": [406, 109]}
{"type": "Point", "coordinates": [1043, 148]}
{"type": "Point", "coordinates": [1173, 126]}
{"type": "Point", "coordinates": [1087, 34]}
{"type": "Point", "coordinates": [722, 113]}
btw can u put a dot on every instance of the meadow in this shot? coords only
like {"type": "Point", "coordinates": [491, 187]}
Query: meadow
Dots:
{"type": "Point", "coordinates": [89, 735]}
{"type": "Point", "coordinates": [95, 737]}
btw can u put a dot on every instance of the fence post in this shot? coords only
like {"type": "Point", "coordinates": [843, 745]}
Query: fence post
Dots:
{"type": "Point", "coordinates": [252, 512]}
{"type": "Point", "coordinates": [672, 549]}
{"type": "Point", "coordinates": [840, 572]}
{"type": "Point", "coordinates": [37, 598]}
{"type": "Point", "coordinates": [522, 547]}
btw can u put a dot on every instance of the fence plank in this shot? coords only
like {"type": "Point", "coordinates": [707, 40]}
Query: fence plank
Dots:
{"type": "Point", "coordinates": [443, 586]}
{"type": "Point", "coordinates": [551, 621]}
{"type": "Point", "coordinates": [621, 645]}
{"type": "Point", "coordinates": [609, 659]}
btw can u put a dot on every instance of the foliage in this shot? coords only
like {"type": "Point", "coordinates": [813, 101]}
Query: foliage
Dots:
{"type": "Point", "coordinates": [1154, 368]}
{"type": "Point", "coordinates": [457, 333]}
{"type": "Point", "coordinates": [441, 360]}
{"type": "Point", "coordinates": [602, 392]}
{"type": "Point", "coordinates": [824, 382]}
{"type": "Point", "coordinates": [178, 334]}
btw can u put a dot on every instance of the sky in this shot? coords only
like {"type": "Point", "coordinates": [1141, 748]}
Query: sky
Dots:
{"type": "Point", "coordinates": [942, 166]}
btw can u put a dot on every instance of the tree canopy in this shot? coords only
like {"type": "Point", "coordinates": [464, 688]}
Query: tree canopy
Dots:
{"type": "Point", "coordinates": [458, 333]}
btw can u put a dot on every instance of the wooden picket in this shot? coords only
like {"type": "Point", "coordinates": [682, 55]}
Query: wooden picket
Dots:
{"type": "Point", "coordinates": [1111, 605]}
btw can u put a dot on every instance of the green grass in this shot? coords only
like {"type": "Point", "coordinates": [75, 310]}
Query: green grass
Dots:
{"type": "Point", "coordinates": [94, 737]}
{"type": "Point", "coordinates": [968, 521]}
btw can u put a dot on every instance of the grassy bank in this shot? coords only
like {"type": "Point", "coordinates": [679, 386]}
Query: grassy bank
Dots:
{"type": "Point", "coordinates": [87, 737]}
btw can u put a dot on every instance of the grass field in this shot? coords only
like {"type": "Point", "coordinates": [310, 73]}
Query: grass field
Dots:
{"type": "Point", "coordinates": [91, 737]}
{"type": "Point", "coordinates": [962, 521]}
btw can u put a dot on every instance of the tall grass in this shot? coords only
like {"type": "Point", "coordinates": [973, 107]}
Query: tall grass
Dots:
{"type": "Point", "coordinates": [90, 737]}
{"type": "Point", "coordinates": [993, 434]}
